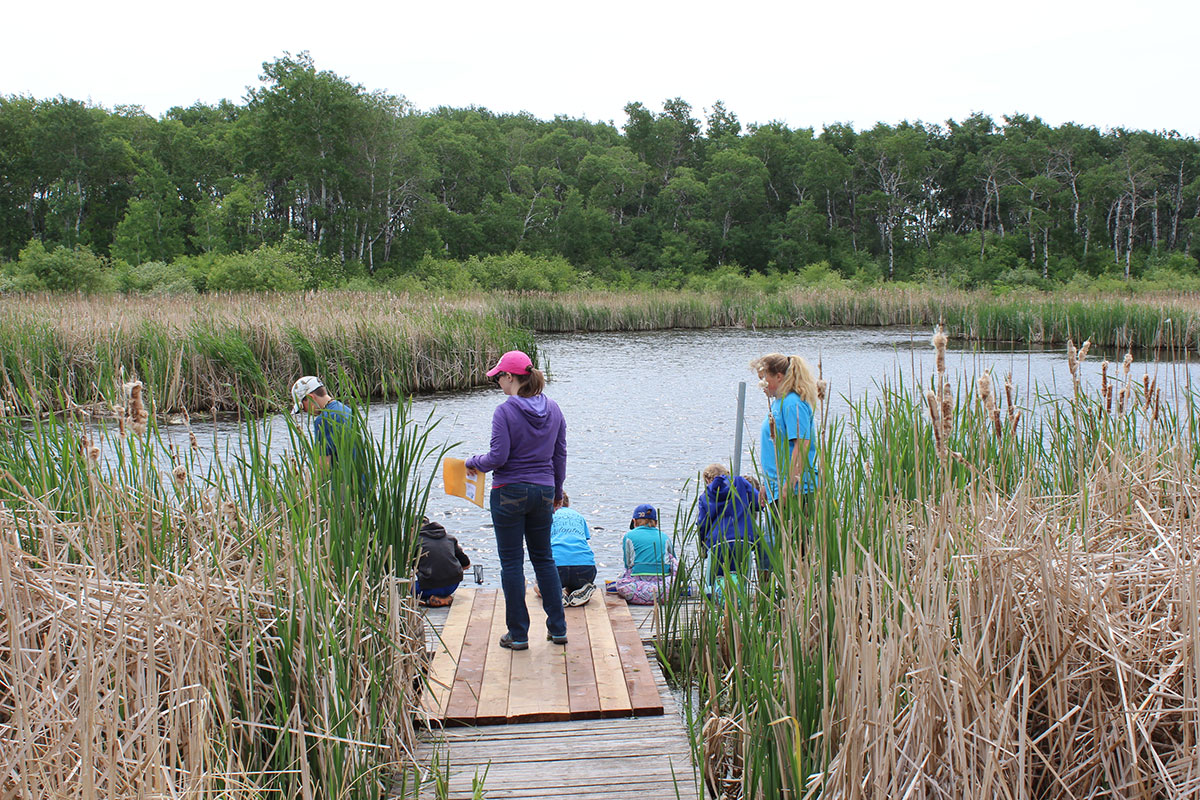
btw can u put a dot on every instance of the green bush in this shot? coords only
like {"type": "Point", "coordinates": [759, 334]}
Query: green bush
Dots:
{"type": "Point", "coordinates": [820, 274]}
{"type": "Point", "coordinates": [523, 272]}
{"type": "Point", "coordinates": [60, 269]}
{"type": "Point", "coordinates": [157, 277]}
{"type": "Point", "coordinates": [1018, 276]}
{"type": "Point", "coordinates": [291, 264]}
{"type": "Point", "coordinates": [259, 271]}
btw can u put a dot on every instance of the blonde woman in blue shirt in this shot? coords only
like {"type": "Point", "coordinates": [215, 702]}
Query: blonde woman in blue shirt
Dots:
{"type": "Point", "coordinates": [787, 431]}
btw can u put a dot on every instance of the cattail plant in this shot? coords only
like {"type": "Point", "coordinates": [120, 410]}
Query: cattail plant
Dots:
{"type": "Point", "coordinates": [255, 640]}
{"type": "Point", "coordinates": [988, 398]}
{"type": "Point", "coordinates": [939, 345]}
{"type": "Point", "coordinates": [1125, 395]}
{"type": "Point", "coordinates": [935, 416]}
{"type": "Point", "coordinates": [1075, 361]}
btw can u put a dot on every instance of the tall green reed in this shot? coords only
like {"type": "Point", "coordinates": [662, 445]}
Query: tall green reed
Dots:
{"type": "Point", "coordinates": [893, 523]}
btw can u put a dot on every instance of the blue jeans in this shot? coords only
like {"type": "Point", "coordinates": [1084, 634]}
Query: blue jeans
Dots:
{"type": "Point", "coordinates": [521, 516]}
{"type": "Point", "coordinates": [426, 592]}
{"type": "Point", "coordinates": [576, 576]}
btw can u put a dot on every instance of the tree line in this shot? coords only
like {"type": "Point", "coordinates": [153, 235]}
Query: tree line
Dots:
{"type": "Point", "coordinates": [370, 183]}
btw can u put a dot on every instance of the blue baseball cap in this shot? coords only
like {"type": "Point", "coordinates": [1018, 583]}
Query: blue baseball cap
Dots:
{"type": "Point", "coordinates": [644, 511]}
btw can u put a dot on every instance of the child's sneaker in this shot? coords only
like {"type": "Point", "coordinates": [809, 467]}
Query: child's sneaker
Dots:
{"type": "Point", "coordinates": [550, 637]}
{"type": "Point", "coordinates": [581, 595]}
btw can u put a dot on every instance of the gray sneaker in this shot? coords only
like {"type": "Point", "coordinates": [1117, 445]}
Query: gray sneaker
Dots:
{"type": "Point", "coordinates": [581, 595]}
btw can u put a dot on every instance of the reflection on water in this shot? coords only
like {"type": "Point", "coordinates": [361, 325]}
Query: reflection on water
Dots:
{"type": "Point", "coordinates": [646, 411]}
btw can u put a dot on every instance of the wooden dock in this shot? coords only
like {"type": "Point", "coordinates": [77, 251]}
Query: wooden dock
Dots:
{"type": "Point", "coordinates": [567, 726]}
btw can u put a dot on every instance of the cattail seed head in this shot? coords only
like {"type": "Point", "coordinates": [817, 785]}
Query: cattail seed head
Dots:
{"type": "Point", "coordinates": [947, 409]}
{"type": "Point", "coordinates": [194, 443]}
{"type": "Point", "coordinates": [934, 407]}
{"type": "Point", "coordinates": [1127, 363]}
{"type": "Point", "coordinates": [822, 387]}
{"type": "Point", "coordinates": [1083, 350]}
{"type": "Point", "coordinates": [180, 474]}
{"type": "Point", "coordinates": [939, 344]}
{"type": "Point", "coordinates": [1104, 377]}
{"type": "Point", "coordinates": [984, 385]}
{"type": "Point", "coordinates": [1072, 362]}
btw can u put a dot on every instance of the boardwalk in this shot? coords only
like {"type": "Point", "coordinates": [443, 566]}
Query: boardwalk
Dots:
{"type": "Point", "coordinates": [580, 749]}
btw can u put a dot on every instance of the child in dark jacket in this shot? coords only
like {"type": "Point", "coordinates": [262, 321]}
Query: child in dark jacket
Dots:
{"type": "Point", "coordinates": [440, 565]}
{"type": "Point", "coordinates": [725, 520]}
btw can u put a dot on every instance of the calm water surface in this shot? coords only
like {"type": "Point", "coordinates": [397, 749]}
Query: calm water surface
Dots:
{"type": "Point", "coordinates": [646, 411]}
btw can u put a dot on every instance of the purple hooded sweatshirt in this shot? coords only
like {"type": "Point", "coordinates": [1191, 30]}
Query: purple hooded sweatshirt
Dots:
{"type": "Point", "coordinates": [529, 444]}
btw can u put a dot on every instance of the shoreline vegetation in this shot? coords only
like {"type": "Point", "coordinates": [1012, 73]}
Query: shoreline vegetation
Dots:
{"type": "Point", "coordinates": [991, 594]}
{"type": "Point", "coordinates": [181, 624]}
{"type": "Point", "coordinates": [238, 353]}
{"type": "Point", "coordinates": [991, 589]}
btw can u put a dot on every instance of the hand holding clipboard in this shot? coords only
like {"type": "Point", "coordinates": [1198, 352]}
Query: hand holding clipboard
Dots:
{"type": "Point", "coordinates": [459, 484]}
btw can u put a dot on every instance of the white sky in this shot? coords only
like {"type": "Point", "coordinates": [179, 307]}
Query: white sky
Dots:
{"type": "Point", "coordinates": [1106, 63]}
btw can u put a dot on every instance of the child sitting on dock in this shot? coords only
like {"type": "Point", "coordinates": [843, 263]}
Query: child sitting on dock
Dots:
{"type": "Point", "coordinates": [440, 565]}
{"type": "Point", "coordinates": [725, 521]}
{"type": "Point", "coordinates": [573, 555]}
{"type": "Point", "coordinates": [649, 559]}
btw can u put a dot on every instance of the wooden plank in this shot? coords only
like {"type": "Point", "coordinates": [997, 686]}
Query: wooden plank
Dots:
{"type": "Point", "coordinates": [468, 679]}
{"type": "Point", "coordinates": [643, 694]}
{"type": "Point", "coordinates": [610, 677]}
{"type": "Point", "coordinates": [537, 688]}
{"type": "Point", "coordinates": [493, 697]}
{"type": "Point", "coordinates": [583, 696]}
{"type": "Point", "coordinates": [445, 659]}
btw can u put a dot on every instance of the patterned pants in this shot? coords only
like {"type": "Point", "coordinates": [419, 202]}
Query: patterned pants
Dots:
{"type": "Point", "coordinates": [639, 590]}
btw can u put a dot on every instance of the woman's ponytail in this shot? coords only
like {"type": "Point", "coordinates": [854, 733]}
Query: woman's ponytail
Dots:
{"type": "Point", "coordinates": [532, 384]}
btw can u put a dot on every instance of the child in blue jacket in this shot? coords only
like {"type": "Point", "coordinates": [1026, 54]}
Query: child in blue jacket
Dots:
{"type": "Point", "coordinates": [725, 521]}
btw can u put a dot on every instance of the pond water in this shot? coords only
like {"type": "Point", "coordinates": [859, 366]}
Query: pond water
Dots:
{"type": "Point", "coordinates": [646, 411]}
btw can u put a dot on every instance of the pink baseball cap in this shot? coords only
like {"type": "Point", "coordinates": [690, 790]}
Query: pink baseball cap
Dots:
{"type": "Point", "coordinates": [513, 362]}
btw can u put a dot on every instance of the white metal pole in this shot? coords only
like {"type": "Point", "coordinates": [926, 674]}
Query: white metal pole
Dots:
{"type": "Point", "coordinates": [737, 435]}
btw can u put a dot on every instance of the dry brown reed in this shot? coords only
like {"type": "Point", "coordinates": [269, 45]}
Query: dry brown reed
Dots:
{"type": "Point", "coordinates": [1029, 645]}
{"type": "Point", "coordinates": [1023, 660]}
{"type": "Point", "coordinates": [238, 352]}
{"type": "Point", "coordinates": [125, 676]}
{"type": "Point", "coordinates": [722, 758]}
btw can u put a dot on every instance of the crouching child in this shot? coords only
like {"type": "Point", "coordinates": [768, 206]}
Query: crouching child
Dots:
{"type": "Point", "coordinates": [569, 535]}
{"type": "Point", "coordinates": [439, 566]}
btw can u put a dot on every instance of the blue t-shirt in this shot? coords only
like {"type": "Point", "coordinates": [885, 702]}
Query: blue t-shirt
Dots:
{"type": "Point", "coordinates": [328, 425]}
{"type": "Point", "coordinates": [793, 420]}
{"type": "Point", "coordinates": [646, 551]}
{"type": "Point", "coordinates": [569, 536]}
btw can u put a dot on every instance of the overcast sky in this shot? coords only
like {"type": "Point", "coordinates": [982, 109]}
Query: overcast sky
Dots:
{"type": "Point", "coordinates": [1106, 63]}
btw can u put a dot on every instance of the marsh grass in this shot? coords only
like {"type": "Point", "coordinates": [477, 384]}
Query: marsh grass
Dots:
{"type": "Point", "coordinates": [968, 609]}
{"type": "Point", "coordinates": [240, 353]}
{"type": "Point", "coordinates": [1164, 322]}
{"type": "Point", "coordinates": [173, 624]}
{"type": "Point", "coordinates": [237, 353]}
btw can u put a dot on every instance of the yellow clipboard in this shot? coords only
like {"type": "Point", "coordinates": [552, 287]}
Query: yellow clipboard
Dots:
{"type": "Point", "coordinates": [454, 475]}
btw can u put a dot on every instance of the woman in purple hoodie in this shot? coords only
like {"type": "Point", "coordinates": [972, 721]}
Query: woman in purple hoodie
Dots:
{"type": "Point", "coordinates": [528, 459]}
